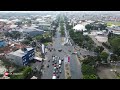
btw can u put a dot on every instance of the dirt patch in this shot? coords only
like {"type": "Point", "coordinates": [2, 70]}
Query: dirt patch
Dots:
{"type": "Point", "coordinates": [105, 73]}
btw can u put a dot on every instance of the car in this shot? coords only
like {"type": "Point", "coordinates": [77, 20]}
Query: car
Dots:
{"type": "Point", "coordinates": [59, 50]}
{"type": "Point", "coordinates": [53, 60]}
{"type": "Point", "coordinates": [59, 66]}
{"type": "Point", "coordinates": [54, 68]}
{"type": "Point", "coordinates": [60, 71]}
{"type": "Point", "coordinates": [57, 76]}
{"type": "Point", "coordinates": [57, 71]}
{"type": "Point", "coordinates": [54, 71]}
{"type": "Point", "coordinates": [62, 59]}
{"type": "Point", "coordinates": [54, 65]}
{"type": "Point", "coordinates": [48, 60]}
{"type": "Point", "coordinates": [54, 77]}
{"type": "Point", "coordinates": [53, 57]}
{"type": "Point", "coordinates": [60, 62]}
{"type": "Point", "coordinates": [74, 53]}
{"type": "Point", "coordinates": [48, 65]}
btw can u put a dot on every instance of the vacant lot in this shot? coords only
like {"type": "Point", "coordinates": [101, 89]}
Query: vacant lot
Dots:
{"type": "Point", "coordinates": [115, 23]}
{"type": "Point", "coordinates": [105, 73]}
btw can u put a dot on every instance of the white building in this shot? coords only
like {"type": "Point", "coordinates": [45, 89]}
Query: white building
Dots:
{"type": "Point", "coordinates": [79, 27]}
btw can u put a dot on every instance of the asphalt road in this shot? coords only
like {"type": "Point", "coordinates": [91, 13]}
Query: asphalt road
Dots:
{"type": "Point", "coordinates": [48, 72]}
{"type": "Point", "coordinates": [75, 66]}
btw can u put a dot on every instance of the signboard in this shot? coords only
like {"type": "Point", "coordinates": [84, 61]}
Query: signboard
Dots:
{"type": "Point", "coordinates": [43, 48]}
{"type": "Point", "coordinates": [67, 59]}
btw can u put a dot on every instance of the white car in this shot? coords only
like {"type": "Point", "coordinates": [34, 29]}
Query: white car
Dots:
{"type": "Point", "coordinates": [54, 77]}
{"type": "Point", "coordinates": [53, 57]}
{"type": "Point", "coordinates": [59, 66]}
{"type": "Point", "coordinates": [74, 53]}
{"type": "Point", "coordinates": [60, 62]}
{"type": "Point", "coordinates": [54, 68]}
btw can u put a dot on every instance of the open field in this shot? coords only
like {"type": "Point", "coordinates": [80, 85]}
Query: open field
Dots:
{"type": "Point", "coordinates": [109, 23]}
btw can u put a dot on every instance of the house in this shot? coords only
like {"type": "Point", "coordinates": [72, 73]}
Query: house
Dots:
{"type": "Point", "coordinates": [22, 56]}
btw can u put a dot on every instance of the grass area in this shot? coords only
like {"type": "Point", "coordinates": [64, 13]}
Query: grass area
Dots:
{"type": "Point", "coordinates": [47, 43]}
{"type": "Point", "coordinates": [115, 23]}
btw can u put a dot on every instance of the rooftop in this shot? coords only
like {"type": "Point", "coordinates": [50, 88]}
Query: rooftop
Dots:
{"type": "Point", "coordinates": [20, 53]}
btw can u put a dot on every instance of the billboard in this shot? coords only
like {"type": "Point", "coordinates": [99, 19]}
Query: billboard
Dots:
{"type": "Point", "coordinates": [67, 59]}
{"type": "Point", "coordinates": [43, 48]}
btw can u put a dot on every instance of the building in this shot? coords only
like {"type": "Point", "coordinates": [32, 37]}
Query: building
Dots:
{"type": "Point", "coordinates": [22, 56]}
{"type": "Point", "coordinates": [30, 32]}
{"type": "Point", "coordinates": [79, 27]}
{"type": "Point", "coordinates": [115, 30]}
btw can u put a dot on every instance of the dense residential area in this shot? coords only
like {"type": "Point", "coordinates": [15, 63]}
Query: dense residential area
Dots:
{"type": "Point", "coordinates": [60, 45]}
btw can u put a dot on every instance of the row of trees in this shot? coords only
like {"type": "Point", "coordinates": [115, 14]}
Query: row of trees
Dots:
{"type": "Point", "coordinates": [62, 31]}
{"type": "Point", "coordinates": [94, 26]}
{"type": "Point", "coordinates": [88, 72]}
{"type": "Point", "coordinates": [24, 73]}
{"type": "Point", "coordinates": [43, 38]}
{"type": "Point", "coordinates": [81, 40]}
{"type": "Point", "coordinates": [13, 34]}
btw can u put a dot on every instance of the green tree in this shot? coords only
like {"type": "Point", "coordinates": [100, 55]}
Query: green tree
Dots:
{"type": "Point", "coordinates": [114, 57]}
{"type": "Point", "coordinates": [26, 42]}
{"type": "Point", "coordinates": [99, 49]}
{"type": "Point", "coordinates": [104, 56]}
{"type": "Point", "coordinates": [115, 44]}
{"type": "Point", "coordinates": [88, 27]}
{"type": "Point", "coordinates": [26, 71]}
{"type": "Point", "coordinates": [92, 76]}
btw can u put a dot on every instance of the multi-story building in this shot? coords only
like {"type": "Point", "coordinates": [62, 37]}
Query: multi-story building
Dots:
{"type": "Point", "coordinates": [21, 57]}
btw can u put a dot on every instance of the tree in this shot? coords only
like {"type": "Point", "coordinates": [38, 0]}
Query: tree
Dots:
{"type": "Point", "coordinates": [39, 37]}
{"type": "Point", "coordinates": [26, 42]}
{"type": "Point", "coordinates": [14, 34]}
{"type": "Point", "coordinates": [99, 49]}
{"type": "Point", "coordinates": [115, 44]}
{"type": "Point", "coordinates": [92, 76]}
{"type": "Point", "coordinates": [88, 27]}
{"type": "Point", "coordinates": [90, 61]}
{"type": "Point", "coordinates": [29, 38]}
{"type": "Point", "coordinates": [26, 71]}
{"type": "Point", "coordinates": [104, 56]}
{"type": "Point", "coordinates": [114, 57]}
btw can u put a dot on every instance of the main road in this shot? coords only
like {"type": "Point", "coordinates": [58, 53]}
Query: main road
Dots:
{"type": "Point", "coordinates": [75, 66]}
